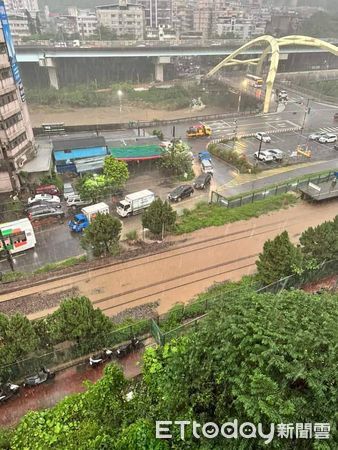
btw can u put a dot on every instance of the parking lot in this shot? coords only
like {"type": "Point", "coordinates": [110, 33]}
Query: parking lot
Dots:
{"type": "Point", "coordinates": [287, 143]}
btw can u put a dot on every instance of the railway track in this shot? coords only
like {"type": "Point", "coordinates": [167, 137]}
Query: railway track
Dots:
{"type": "Point", "coordinates": [183, 270]}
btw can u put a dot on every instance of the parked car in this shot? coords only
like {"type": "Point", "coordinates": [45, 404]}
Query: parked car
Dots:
{"type": "Point", "coordinates": [283, 95]}
{"type": "Point", "coordinates": [261, 136]}
{"type": "Point", "coordinates": [76, 200]}
{"type": "Point", "coordinates": [180, 193]}
{"type": "Point", "coordinates": [264, 156]}
{"type": "Point", "coordinates": [316, 136]}
{"type": "Point", "coordinates": [50, 189]}
{"type": "Point", "coordinates": [202, 181]}
{"type": "Point", "coordinates": [45, 211]}
{"type": "Point", "coordinates": [335, 116]}
{"type": "Point", "coordinates": [278, 155]}
{"type": "Point", "coordinates": [40, 203]}
{"type": "Point", "coordinates": [68, 191]}
{"type": "Point", "coordinates": [207, 166]}
{"type": "Point", "coordinates": [328, 138]}
{"type": "Point", "coordinates": [44, 197]}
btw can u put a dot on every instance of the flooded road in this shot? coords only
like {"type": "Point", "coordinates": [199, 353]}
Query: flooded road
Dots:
{"type": "Point", "coordinates": [66, 382]}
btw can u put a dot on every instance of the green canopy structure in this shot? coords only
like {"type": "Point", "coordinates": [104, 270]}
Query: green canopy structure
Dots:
{"type": "Point", "coordinates": [136, 153]}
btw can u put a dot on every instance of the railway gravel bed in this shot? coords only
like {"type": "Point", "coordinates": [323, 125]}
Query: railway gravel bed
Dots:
{"type": "Point", "coordinates": [33, 303]}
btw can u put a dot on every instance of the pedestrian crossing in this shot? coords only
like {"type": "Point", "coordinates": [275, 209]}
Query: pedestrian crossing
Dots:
{"type": "Point", "coordinates": [333, 130]}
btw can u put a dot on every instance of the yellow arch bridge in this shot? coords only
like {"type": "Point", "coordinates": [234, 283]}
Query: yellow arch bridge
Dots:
{"type": "Point", "coordinates": [272, 47]}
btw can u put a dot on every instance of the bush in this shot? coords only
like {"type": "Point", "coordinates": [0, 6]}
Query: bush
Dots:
{"type": "Point", "coordinates": [132, 235]}
{"type": "Point", "coordinates": [232, 157]}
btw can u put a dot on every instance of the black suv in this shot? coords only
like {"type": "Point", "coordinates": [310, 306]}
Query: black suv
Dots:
{"type": "Point", "coordinates": [202, 181]}
{"type": "Point", "coordinates": [40, 212]}
{"type": "Point", "coordinates": [181, 192]}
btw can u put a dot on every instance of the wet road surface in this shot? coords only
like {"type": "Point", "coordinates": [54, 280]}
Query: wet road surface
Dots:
{"type": "Point", "coordinates": [66, 382]}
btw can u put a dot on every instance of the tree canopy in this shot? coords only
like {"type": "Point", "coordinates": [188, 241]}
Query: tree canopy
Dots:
{"type": "Point", "coordinates": [159, 217]}
{"type": "Point", "coordinates": [102, 235]}
{"type": "Point", "coordinates": [279, 259]}
{"type": "Point", "coordinates": [177, 159]}
{"type": "Point", "coordinates": [259, 358]}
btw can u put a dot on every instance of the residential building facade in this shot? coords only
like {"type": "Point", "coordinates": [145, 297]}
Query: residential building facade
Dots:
{"type": "Point", "coordinates": [125, 19]}
{"type": "Point", "coordinates": [16, 135]}
{"type": "Point", "coordinates": [157, 12]}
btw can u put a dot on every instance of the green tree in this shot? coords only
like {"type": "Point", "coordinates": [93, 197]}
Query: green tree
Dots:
{"type": "Point", "coordinates": [77, 320]}
{"type": "Point", "coordinates": [102, 235]}
{"type": "Point", "coordinates": [159, 134]}
{"type": "Point", "coordinates": [159, 217]}
{"type": "Point", "coordinates": [279, 259]}
{"type": "Point", "coordinates": [115, 171]}
{"type": "Point", "coordinates": [320, 243]}
{"type": "Point", "coordinates": [320, 24]}
{"type": "Point", "coordinates": [256, 358]}
{"type": "Point", "coordinates": [92, 187]}
{"type": "Point", "coordinates": [177, 159]}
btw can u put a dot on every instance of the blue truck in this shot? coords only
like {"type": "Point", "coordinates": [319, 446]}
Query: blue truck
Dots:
{"type": "Point", "coordinates": [81, 221]}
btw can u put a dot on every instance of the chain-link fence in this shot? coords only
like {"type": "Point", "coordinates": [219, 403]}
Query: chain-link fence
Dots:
{"type": "Point", "coordinates": [67, 352]}
{"type": "Point", "coordinates": [261, 194]}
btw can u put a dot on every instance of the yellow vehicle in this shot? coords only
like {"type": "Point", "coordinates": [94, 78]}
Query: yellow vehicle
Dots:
{"type": "Point", "coordinates": [199, 131]}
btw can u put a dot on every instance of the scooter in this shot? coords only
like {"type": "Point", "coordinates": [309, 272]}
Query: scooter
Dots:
{"type": "Point", "coordinates": [41, 377]}
{"type": "Point", "coordinates": [7, 391]}
{"type": "Point", "coordinates": [102, 357]}
{"type": "Point", "coordinates": [126, 349]}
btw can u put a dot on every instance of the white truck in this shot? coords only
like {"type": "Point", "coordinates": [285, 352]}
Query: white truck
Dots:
{"type": "Point", "coordinates": [135, 203]}
{"type": "Point", "coordinates": [81, 221]}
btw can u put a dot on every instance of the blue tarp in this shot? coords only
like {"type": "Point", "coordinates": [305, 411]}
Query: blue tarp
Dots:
{"type": "Point", "coordinates": [61, 155]}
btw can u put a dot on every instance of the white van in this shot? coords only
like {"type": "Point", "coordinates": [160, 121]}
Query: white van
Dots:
{"type": "Point", "coordinates": [207, 166]}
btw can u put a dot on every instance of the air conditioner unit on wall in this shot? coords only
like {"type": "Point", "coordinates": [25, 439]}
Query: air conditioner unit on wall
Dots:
{"type": "Point", "coordinates": [21, 161]}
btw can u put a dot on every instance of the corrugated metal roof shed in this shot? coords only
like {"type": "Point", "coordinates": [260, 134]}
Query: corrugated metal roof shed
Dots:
{"type": "Point", "coordinates": [78, 143]}
{"type": "Point", "coordinates": [79, 153]}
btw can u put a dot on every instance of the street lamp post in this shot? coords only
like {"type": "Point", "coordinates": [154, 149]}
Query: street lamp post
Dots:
{"type": "Point", "coordinates": [260, 148]}
{"type": "Point", "coordinates": [120, 95]}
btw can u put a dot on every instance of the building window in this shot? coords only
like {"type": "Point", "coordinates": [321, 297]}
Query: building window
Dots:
{"type": "Point", "coordinates": [17, 141]}
{"type": "Point", "coordinates": [7, 98]}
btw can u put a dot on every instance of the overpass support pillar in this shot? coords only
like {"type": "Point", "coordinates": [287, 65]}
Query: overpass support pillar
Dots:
{"type": "Point", "coordinates": [50, 65]}
{"type": "Point", "coordinates": [159, 67]}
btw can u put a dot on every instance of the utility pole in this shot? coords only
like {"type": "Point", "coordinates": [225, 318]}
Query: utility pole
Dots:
{"type": "Point", "coordinates": [307, 111]}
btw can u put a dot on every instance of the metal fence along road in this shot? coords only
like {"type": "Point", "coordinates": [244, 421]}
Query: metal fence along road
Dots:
{"type": "Point", "coordinates": [251, 197]}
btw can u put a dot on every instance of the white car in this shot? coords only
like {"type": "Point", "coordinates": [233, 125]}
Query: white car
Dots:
{"type": "Point", "coordinates": [45, 198]}
{"type": "Point", "coordinates": [316, 136]}
{"type": "Point", "coordinates": [261, 136]}
{"type": "Point", "coordinates": [76, 200]}
{"type": "Point", "coordinates": [277, 154]}
{"type": "Point", "coordinates": [283, 95]}
{"type": "Point", "coordinates": [264, 156]}
{"type": "Point", "coordinates": [328, 138]}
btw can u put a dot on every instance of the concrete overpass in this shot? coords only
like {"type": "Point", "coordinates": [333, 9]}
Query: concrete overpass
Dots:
{"type": "Point", "coordinates": [160, 55]}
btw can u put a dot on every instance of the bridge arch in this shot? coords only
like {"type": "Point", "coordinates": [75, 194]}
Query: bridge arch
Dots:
{"type": "Point", "coordinates": [272, 48]}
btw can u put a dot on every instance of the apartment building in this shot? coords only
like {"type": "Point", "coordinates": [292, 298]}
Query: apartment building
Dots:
{"type": "Point", "coordinates": [19, 26]}
{"type": "Point", "coordinates": [126, 19]}
{"type": "Point", "coordinates": [22, 5]}
{"type": "Point", "coordinates": [16, 135]}
{"type": "Point", "coordinates": [157, 12]}
{"type": "Point", "coordinates": [86, 21]}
